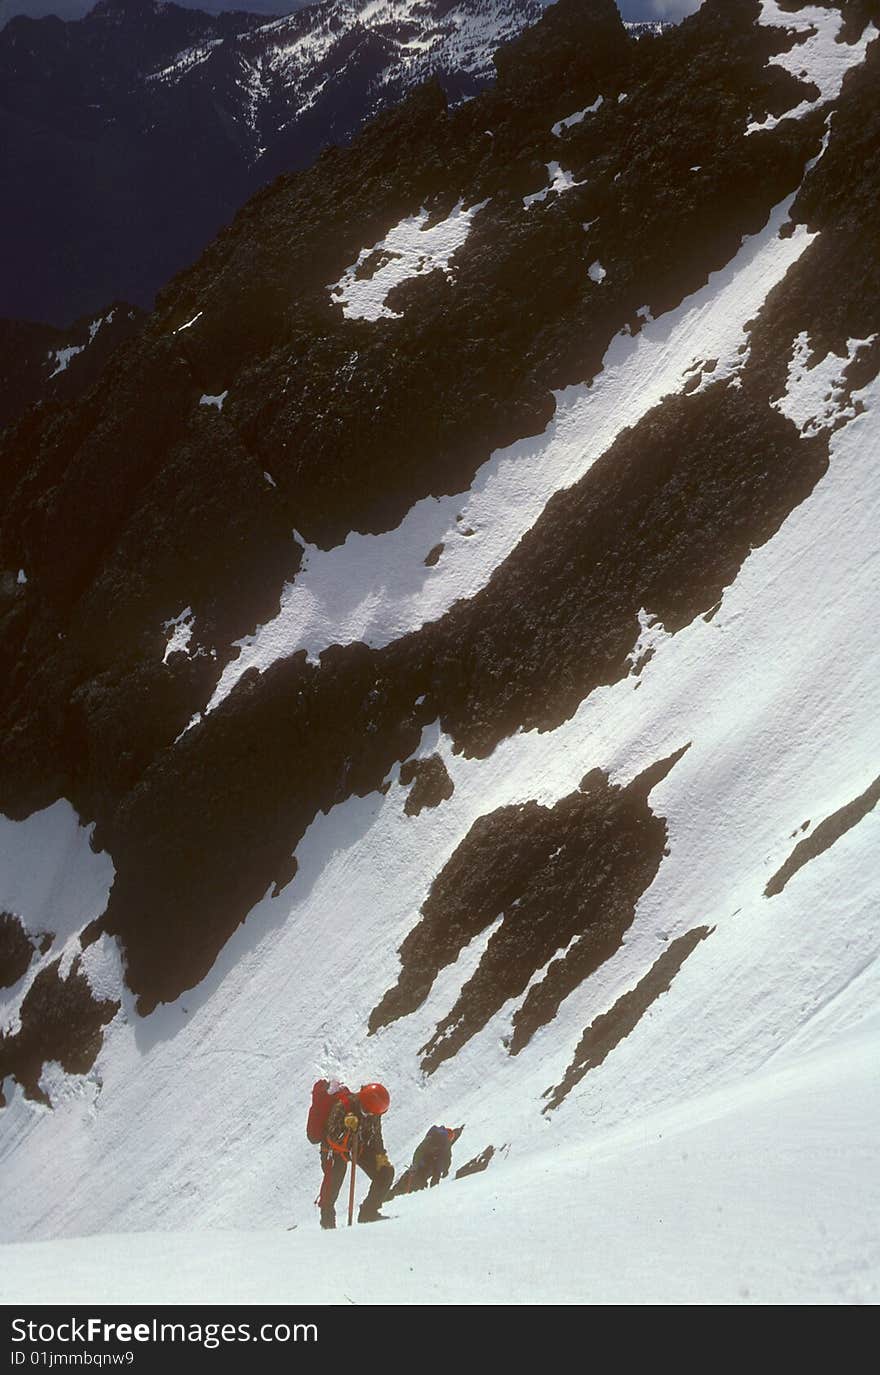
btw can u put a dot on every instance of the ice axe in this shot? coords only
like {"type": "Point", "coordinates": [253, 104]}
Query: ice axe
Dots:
{"type": "Point", "coordinates": [354, 1156]}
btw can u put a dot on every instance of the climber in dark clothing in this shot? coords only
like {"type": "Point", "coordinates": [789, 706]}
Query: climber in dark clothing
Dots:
{"type": "Point", "coordinates": [433, 1157]}
{"type": "Point", "coordinates": [357, 1120]}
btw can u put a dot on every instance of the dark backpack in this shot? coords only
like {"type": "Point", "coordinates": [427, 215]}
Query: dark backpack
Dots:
{"type": "Point", "coordinates": [322, 1102]}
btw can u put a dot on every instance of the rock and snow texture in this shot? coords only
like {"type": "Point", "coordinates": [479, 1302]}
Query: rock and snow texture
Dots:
{"type": "Point", "coordinates": [559, 181]}
{"type": "Point", "coordinates": [571, 120]}
{"type": "Point", "coordinates": [104, 197]}
{"type": "Point", "coordinates": [412, 248]}
{"type": "Point", "coordinates": [494, 801]}
{"type": "Point", "coordinates": [40, 363]}
{"type": "Point", "coordinates": [820, 57]}
{"type": "Point", "coordinates": [373, 587]}
{"type": "Point", "coordinates": [816, 396]}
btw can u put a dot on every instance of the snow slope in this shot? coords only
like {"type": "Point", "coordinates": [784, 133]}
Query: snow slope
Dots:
{"type": "Point", "coordinates": [752, 776]}
{"type": "Point", "coordinates": [722, 1147]}
{"type": "Point", "coordinates": [667, 1211]}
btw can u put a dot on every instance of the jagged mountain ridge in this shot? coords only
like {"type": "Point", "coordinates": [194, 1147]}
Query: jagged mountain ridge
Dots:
{"type": "Point", "coordinates": [694, 271]}
{"type": "Point", "coordinates": [135, 133]}
{"type": "Point", "coordinates": [39, 363]}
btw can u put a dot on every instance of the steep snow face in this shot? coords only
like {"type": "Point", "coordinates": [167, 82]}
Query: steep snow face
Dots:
{"type": "Point", "coordinates": [289, 996]}
{"type": "Point", "coordinates": [672, 1205]}
{"type": "Point", "coordinates": [720, 1047]}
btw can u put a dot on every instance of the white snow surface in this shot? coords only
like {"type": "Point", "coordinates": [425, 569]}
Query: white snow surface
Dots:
{"type": "Point", "coordinates": [216, 401]}
{"type": "Point", "coordinates": [596, 272]}
{"type": "Point", "coordinates": [412, 248]}
{"type": "Point", "coordinates": [816, 57]}
{"type": "Point", "coordinates": [578, 117]}
{"type": "Point", "coordinates": [560, 181]}
{"type": "Point", "coordinates": [616, 1215]}
{"type": "Point", "coordinates": [181, 627]}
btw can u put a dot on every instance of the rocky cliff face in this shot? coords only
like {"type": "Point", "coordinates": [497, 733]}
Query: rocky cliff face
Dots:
{"type": "Point", "coordinates": [39, 363]}
{"type": "Point", "coordinates": [134, 134]}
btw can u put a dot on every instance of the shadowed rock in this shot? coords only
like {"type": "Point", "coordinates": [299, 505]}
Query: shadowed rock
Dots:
{"type": "Point", "coordinates": [826, 834]}
{"type": "Point", "coordinates": [61, 1019]}
{"type": "Point", "coordinates": [16, 949]}
{"type": "Point", "coordinates": [610, 1028]}
{"type": "Point", "coordinates": [558, 878]}
{"type": "Point", "coordinates": [431, 783]}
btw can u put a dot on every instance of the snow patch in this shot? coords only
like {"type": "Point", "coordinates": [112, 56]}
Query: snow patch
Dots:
{"type": "Point", "coordinates": [63, 356]}
{"type": "Point", "coordinates": [189, 324]}
{"type": "Point", "coordinates": [816, 398]}
{"type": "Point", "coordinates": [562, 124]}
{"type": "Point", "coordinates": [182, 628]}
{"type": "Point", "coordinates": [651, 635]}
{"type": "Point", "coordinates": [596, 272]}
{"type": "Point", "coordinates": [217, 400]}
{"type": "Point", "coordinates": [55, 883]}
{"type": "Point", "coordinates": [560, 181]}
{"type": "Point", "coordinates": [819, 59]}
{"type": "Point", "coordinates": [410, 249]}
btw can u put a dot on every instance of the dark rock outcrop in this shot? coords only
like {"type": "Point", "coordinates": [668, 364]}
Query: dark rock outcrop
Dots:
{"type": "Point", "coordinates": [16, 949]}
{"type": "Point", "coordinates": [563, 878]}
{"type": "Point", "coordinates": [60, 1020]}
{"type": "Point", "coordinates": [607, 1031]}
{"type": "Point", "coordinates": [431, 783]}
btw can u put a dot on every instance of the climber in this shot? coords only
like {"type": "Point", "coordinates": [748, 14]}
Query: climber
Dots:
{"type": "Point", "coordinates": [433, 1157]}
{"type": "Point", "coordinates": [354, 1127]}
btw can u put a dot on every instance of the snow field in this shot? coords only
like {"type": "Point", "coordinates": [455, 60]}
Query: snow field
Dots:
{"type": "Point", "coordinates": [204, 1100]}
{"type": "Point", "coordinates": [753, 1197]}
{"type": "Point", "coordinates": [725, 1151]}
